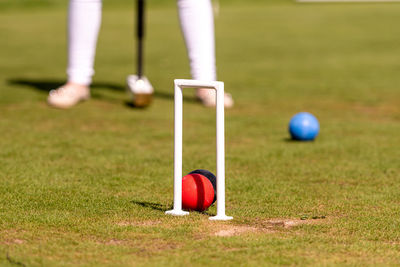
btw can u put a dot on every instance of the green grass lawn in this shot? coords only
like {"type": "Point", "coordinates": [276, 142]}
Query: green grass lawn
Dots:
{"type": "Point", "coordinates": [89, 186]}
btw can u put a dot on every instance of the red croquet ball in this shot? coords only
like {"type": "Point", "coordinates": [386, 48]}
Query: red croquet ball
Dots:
{"type": "Point", "coordinates": [197, 192]}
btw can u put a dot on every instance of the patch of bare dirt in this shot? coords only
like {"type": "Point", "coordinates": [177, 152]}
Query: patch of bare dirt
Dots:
{"type": "Point", "coordinates": [264, 226]}
{"type": "Point", "coordinates": [235, 230]}
{"type": "Point", "coordinates": [221, 229]}
{"type": "Point", "coordinates": [288, 223]}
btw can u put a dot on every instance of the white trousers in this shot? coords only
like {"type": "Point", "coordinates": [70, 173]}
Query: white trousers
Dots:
{"type": "Point", "coordinates": [84, 20]}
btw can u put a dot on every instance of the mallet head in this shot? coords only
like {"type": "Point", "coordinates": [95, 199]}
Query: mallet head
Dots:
{"type": "Point", "coordinates": [140, 90]}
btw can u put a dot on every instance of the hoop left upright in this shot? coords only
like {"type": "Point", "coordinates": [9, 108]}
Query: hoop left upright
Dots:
{"type": "Point", "coordinates": [220, 145]}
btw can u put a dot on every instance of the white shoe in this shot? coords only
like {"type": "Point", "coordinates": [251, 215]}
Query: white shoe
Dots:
{"type": "Point", "coordinates": [208, 99]}
{"type": "Point", "coordinates": [68, 96]}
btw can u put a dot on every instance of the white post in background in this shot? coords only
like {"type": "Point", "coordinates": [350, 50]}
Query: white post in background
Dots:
{"type": "Point", "coordinates": [220, 143]}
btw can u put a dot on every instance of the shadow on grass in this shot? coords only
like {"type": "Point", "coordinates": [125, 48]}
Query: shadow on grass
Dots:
{"type": "Point", "coordinates": [206, 213]}
{"type": "Point", "coordinates": [14, 262]}
{"type": "Point", "coordinates": [163, 208]}
{"type": "Point", "coordinates": [45, 85]}
{"type": "Point", "coordinates": [151, 205]}
{"type": "Point", "coordinates": [290, 140]}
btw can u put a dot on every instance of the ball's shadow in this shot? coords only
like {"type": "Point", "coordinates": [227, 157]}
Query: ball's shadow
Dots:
{"type": "Point", "coordinates": [290, 140]}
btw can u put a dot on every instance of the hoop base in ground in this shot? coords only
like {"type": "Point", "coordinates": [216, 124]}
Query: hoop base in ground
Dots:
{"type": "Point", "coordinates": [177, 212]}
{"type": "Point", "coordinates": [220, 218]}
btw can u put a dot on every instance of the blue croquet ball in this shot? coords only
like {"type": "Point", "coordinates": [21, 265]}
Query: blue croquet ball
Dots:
{"type": "Point", "coordinates": [303, 127]}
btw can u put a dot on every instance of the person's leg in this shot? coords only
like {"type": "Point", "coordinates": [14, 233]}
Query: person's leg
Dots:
{"type": "Point", "coordinates": [84, 20]}
{"type": "Point", "coordinates": [197, 24]}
